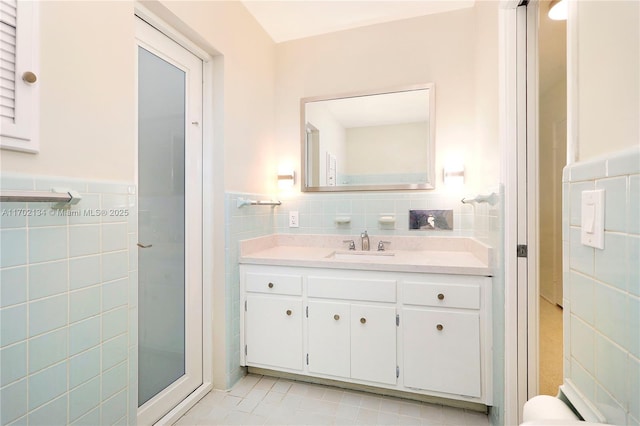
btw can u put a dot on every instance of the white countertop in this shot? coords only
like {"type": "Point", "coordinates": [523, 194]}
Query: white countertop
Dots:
{"type": "Point", "coordinates": [443, 255]}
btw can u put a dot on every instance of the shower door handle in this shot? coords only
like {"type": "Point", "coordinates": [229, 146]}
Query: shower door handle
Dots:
{"type": "Point", "coordinates": [144, 246]}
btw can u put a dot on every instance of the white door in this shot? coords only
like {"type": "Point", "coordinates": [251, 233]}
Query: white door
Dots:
{"type": "Point", "coordinates": [169, 179]}
{"type": "Point", "coordinates": [373, 343]}
{"type": "Point", "coordinates": [329, 338]}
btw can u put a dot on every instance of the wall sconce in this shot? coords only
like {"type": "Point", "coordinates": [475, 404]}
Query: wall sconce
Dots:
{"type": "Point", "coordinates": [558, 10]}
{"type": "Point", "coordinates": [453, 174]}
{"type": "Point", "coordinates": [287, 179]}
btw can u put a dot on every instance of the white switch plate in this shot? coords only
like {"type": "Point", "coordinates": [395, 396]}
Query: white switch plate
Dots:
{"type": "Point", "coordinates": [592, 224]}
{"type": "Point", "coordinates": [293, 219]}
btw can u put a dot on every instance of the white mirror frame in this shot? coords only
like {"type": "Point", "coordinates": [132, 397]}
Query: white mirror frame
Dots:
{"type": "Point", "coordinates": [430, 166]}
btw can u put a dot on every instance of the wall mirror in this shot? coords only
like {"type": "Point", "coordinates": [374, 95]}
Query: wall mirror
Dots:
{"type": "Point", "coordinates": [369, 141]}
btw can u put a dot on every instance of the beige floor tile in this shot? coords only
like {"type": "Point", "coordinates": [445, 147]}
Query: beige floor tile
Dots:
{"type": "Point", "coordinates": [371, 402]}
{"type": "Point", "coordinates": [367, 417]}
{"type": "Point", "coordinates": [281, 386]}
{"type": "Point", "coordinates": [333, 395]}
{"type": "Point", "coordinates": [408, 420]}
{"type": "Point", "coordinates": [351, 398]}
{"type": "Point", "coordinates": [410, 409]}
{"type": "Point", "coordinates": [348, 412]}
{"type": "Point", "coordinates": [257, 400]}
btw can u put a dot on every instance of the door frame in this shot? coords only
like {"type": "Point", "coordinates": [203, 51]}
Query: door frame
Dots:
{"type": "Point", "coordinates": [143, 12]}
{"type": "Point", "coordinates": [519, 118]}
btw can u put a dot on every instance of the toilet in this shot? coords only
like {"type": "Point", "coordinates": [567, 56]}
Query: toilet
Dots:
{"type": "Point", "coordinates": [568, 408]}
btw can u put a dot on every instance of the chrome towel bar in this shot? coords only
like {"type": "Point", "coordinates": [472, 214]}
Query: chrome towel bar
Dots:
{"type": "Point", "coordinates": [244, 202]}
{"type": "Point", "coordinates": [492, 199]}
{"type": "Point", "coordinates": [61, 197]}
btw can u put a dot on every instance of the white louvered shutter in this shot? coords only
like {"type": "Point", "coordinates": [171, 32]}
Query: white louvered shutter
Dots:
{"type": "Point", "coordinates": [8, 14]}
{"type": "Point", "coordinates": [18, 54]}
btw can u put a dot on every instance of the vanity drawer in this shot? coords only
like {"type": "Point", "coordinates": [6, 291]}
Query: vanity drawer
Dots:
{"type": "Point", "coordinates": [273, 283]}
{"type": "Point", "coordinates": [465, 296]}
{"type": "Point", "coordinates": [370, 290]}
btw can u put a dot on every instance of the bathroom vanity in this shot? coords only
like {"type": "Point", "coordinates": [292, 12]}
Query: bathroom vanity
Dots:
{"type": "Point", "coordinates": [414, 319]}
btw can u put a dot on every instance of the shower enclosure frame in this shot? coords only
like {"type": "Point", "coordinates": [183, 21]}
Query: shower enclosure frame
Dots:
{"type": "Point", "coordinates": [212, 197]}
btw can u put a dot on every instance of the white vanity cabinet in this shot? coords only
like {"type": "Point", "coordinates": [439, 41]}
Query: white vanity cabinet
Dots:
{"type": "Point", "coordinates": [352, 327]}
{"type": "Point", "coordinates": [442, 333]}
{"type": "Point", "coordinates": [273, 320]}
{"type": "Point", "coordinates": [411, 332]}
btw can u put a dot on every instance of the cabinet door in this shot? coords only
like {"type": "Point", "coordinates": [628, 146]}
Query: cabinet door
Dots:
{"type": "Point", "coordinates": [442, 351]}
{"type": "Point", "coordinates": [373, 343]}
{"type": "Point", "coordinates": [329, 338]}
{"type": "Point", "coordinates": [273, 331]}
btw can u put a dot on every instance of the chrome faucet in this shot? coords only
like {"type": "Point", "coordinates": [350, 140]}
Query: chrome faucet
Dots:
{"type": "Point", "coordinates": [365, 241]}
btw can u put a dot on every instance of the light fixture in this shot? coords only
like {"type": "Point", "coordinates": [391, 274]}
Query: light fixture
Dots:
{"type": "Point", "coordinates": [558, 10]}
{"type": "Point", "coordinates": [286, 179]}
{"type": "Point", "coordinates": [453, 174]}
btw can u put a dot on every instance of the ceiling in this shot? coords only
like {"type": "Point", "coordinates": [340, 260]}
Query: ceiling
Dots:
{"type": "Point", "coordinates": [286, 20]}
{"type": "Point", "coordinates": [293, 19]}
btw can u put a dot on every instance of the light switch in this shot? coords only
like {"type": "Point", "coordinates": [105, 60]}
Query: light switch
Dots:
{"type": "Point", "coordinates": [592, 223]}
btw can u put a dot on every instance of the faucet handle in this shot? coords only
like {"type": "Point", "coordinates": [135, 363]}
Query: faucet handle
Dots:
{"type": "Point", "coordinates": [352, 244]}
{"type": "Point", "coordinates": [381, 245]}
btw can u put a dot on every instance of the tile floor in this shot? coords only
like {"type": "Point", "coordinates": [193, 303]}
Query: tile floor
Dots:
{"type": "Point", "coordinates": [261, 400]}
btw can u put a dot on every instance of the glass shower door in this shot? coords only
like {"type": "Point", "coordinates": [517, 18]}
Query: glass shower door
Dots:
{"type": "Point", "coordinates": [169, 246]}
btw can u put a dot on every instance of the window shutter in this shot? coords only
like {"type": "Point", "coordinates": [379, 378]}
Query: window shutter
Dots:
{"type": "Point", "coordinates": [8, 24]}
{"type": "Point", "coordinates": [19, 108]}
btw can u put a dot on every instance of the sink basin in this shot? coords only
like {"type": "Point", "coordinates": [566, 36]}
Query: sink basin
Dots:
{"type": "Point", "coordinates": [361, 255]}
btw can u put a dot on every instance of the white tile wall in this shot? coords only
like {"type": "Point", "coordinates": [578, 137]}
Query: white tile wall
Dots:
{"type": "Point", "coordinates": [602, 288]}
{"type": "Point", "coordinates": [68, 300]}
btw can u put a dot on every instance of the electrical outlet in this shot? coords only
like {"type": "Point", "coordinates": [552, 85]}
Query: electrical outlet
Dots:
{"type": "Point", "coordinates": [293, 219]}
